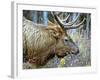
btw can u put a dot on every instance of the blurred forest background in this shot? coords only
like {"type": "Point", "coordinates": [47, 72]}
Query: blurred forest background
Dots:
{"type": "Point", "coordinates": [81, 36]}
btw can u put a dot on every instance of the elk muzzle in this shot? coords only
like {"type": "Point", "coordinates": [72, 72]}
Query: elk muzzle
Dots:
{"type": "Point", "coordinates": [65, 47]}
{"type": "Point", "coordinates": [71, 47]}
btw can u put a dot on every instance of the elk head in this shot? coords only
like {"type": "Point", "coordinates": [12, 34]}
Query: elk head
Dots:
{"type": "Point", "coordinates": [66, 45]}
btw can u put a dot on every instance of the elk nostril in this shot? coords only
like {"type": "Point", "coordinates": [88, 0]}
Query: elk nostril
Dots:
{"type": "Point", "coordinates": [76, 52]}
{"type": "Point", "coordinates": [65, 54]}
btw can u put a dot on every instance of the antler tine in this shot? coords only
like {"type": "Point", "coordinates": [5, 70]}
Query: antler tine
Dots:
{"type": "Point", "coordinates": [66, 24]}
{"type": "Point", "coordinates": [71, 23]}
{"type": "Point", "coordinates": [57, 19]}
{"type": "Point", "coordinates": [59, 15]}
{"type": "Point", "coordinates": [75, 26]}
{"type": "Point", "coordinates": [66, 18]}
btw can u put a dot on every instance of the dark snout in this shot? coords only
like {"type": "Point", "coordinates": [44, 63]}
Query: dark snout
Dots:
{"type": "Point", "coordinates": [76, 52]}
{"type": "Point", "coordinates": [73, 48]}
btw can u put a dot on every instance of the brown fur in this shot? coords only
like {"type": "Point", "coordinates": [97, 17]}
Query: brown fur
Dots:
{"type": "Point", "coordinates": [39, 42]}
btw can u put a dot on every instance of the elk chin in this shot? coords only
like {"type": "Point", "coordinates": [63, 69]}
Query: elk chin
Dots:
{"type": "Point", "coordinates": [61, 55]}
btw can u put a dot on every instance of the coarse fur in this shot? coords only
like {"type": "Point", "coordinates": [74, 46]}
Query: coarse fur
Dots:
{"type": "Point", "coordinates": [39, 42]}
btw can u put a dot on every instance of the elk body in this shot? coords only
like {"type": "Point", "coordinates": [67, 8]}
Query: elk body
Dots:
{"type": "Point", "coordinates": [41, 43]}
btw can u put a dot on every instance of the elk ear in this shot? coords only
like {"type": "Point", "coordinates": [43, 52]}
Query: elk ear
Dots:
{"type": "Point", "coordinates": [55, 33]}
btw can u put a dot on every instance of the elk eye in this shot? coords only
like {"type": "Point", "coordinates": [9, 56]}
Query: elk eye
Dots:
{"type": "Point", "coordinates": [66, 40]}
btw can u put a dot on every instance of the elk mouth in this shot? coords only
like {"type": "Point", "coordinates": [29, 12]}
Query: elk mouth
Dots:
{"type": "Point", "coordinates": [63, 54]}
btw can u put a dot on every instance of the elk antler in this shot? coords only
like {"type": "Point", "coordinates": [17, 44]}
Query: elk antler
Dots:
{"type": "Point", "coordinates": [56, 19]}
{"type": "Point", "coordinates": [69, 24]}
{"type": "Point", "coordinates": [76, 26]}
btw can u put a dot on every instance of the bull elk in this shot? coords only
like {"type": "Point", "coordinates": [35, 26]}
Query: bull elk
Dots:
{"type": "Point", "coordinates": [42, 43]}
